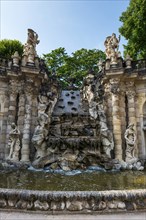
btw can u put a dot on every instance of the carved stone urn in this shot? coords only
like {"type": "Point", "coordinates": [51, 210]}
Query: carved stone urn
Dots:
{"type": "Point", "coordinates": [16, 59]}
{"type": "Point", "coordinates": [128, 62]}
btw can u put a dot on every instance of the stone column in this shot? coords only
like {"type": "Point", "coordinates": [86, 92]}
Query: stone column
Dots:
{"type": "Point", "coordinates": [130, 92]}
{"type": "Point", "coordinates": [108, 104]}
{"type": "Point", "coordinates": [25, 151]}
{"type": "Point", "coordinates": [116, 117]}
{"type": "Point", "coordinates": [13, 92]}
{"type": "Point", "coordinates": [122, 105]}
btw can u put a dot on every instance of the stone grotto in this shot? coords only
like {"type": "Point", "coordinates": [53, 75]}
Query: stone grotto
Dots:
{"type": "Point", "coordinates": [102, 124]}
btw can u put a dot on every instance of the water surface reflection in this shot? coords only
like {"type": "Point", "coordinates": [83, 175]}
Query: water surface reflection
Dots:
{"type": "Point", "coordinates": [72, 181]}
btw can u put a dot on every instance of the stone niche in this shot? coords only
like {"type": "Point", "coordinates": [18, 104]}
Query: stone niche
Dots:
{"type": "Point", "coordinates": [101, 124]}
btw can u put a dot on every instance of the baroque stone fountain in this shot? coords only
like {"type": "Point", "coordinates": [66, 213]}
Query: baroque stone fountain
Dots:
{"type": "Point", "coordinates": [101, 125]}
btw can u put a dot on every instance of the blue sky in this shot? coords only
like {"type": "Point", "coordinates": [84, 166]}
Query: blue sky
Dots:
{"type": "Point", "coordinates": [71, 24]}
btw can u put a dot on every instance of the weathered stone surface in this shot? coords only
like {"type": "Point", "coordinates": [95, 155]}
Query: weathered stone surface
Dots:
{"type": "Point", "coordinates": [74, 205]}
{"type": "Point", "coordinates": [121, 205]}
{"type": "Point", "coordinates": [41, 205]}
{"type": "Point", "coordinates": [57, 206]}
{"type": "Point", "coordinates": [102, 205]}
{"type": "Point", "coordinates": [21, 204]}
{"type": "Point", "coordinates": [3, 203]}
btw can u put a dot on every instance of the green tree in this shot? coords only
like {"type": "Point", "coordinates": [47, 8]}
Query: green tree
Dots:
{"type": "Point", "coordinates": [75, 67]}
{"type": "Point", "coordinates": [134, 28]}
{"type": "Point", "coordinates": [8, 48]}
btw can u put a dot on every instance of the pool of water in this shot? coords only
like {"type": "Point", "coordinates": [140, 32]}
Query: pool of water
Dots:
{"type": "Point", "coordinates": [90, 180]}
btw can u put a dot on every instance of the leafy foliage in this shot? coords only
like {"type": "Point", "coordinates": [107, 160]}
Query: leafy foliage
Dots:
{"type": "Point", "coordinates": [134, 29]}
{"type": "Point", "coordinates": [73, 68]}
{"type": "Point", "coordinates": [8, 48]}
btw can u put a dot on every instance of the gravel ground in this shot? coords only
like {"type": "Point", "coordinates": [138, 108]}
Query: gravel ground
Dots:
{"type": "Point", "coordinates": [7, 215]}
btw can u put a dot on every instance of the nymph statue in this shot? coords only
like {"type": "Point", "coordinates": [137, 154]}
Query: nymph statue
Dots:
{"type": "Point", "coordinates": [130, 137]}
{"type": "Point", "coordinates": [14, 143]}
{"type": "Point", "coordinates": [131, 160]}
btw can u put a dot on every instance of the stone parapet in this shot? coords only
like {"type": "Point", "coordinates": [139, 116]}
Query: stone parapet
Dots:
{"type": "Point", "coordinates": [73, 202]}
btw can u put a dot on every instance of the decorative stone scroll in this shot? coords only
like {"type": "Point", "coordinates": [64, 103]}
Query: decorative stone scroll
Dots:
{"type": "Point", "coordinates": [115, 86]}
{"type": "Point", "coordinates": [130, 89]}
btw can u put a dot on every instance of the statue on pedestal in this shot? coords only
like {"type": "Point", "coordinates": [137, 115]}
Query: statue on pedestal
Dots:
{"type": "Point", "coordinates": [112, 45]}
{"type": "Point", "coordinates": [14, 143]}
{"type": "Point", "coordinates": [29, 50]}
{"type": "Point", "coordinates": [130, 137]}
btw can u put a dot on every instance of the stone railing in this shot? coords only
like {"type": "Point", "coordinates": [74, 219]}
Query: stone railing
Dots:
{"type": "Point", "coordinates": [138, 66]}
{"type": "Point", "coordinates": [73, 202]}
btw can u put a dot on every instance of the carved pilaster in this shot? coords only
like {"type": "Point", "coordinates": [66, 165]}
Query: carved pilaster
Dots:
{"type": "Point", "coordinates": [115, 90]}
{"type": "Point", "coordinates": [25, 151]}
{"type": "Point", "coordinates": [130, 93]}
{"type": "Point", "coordinates": [12, 94]}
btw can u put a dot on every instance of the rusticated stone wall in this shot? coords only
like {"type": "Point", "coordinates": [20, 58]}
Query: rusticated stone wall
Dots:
{"type": "Point", "coordinates": [73, 202]}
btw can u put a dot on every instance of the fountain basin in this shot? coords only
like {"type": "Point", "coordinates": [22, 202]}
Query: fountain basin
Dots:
{"type": "Point", "coordinates": [73, 202]}
{"type": "Point", "coordinates": [72, 192]}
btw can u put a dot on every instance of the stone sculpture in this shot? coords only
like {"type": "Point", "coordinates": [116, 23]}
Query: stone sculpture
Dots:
{"type": "Point", "coordinates": [40, 136]}
{"type": "Point", "coordinates": [130, 137]}
{"type": "Point", "coordinates": [106, 135]}
{"type": "Point", "coordinates": [29, 50]}
{"type": "Point", "coordinates": [107, 142]}
{"type": "Point", "coordinates": [112, 45]}
{"type": "Point", "coordinates": [14, 143]}
{"type": "Point", "coordinates": [131, 160]}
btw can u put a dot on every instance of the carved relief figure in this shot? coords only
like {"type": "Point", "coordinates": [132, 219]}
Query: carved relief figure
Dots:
{"type": "Point", "coordinates": [107, 141]}
{"type": "Point", "coordinates": [106, 135]}
{"type": "Point", "coordinates": [130, 137]}
{"type": "Point", "coordinates": [40, 135]}
{"type": "Point", "coordinates": [88, 93]}
{"type": "Point", "coordinates": [14, 143]}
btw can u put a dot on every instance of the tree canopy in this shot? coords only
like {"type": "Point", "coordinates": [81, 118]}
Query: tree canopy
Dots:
{"type": "Point", "coordinates": [8, 48]}
{"type": "Point", "coordinates": [72, 68]}
{"type": "Point", "coordinates": [134, 28]}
